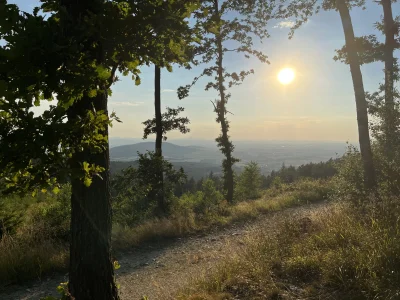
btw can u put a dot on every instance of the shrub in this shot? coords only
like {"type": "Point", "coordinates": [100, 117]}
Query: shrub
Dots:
{"type": "Point", "coordinates": [202, 203]}
{"type": "Point", "coordinates": [37, 244]}
{"type": "Point", "coordinates": [50, 217]}
{"type": "Point", "coordinates": [249, 182]}
{"type": "Point", "coordinates": [135, 191]}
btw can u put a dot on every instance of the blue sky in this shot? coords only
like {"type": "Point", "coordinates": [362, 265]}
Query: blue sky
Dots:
{"type": "Point", "coordinates": [318, 105]}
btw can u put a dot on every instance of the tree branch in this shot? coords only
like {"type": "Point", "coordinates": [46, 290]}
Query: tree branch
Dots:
{"type": "Point", "coordinates": [113, 70]}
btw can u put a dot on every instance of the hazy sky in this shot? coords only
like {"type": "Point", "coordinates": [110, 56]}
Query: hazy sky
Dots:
{"type": "Point", "coordinates": [318, 105]}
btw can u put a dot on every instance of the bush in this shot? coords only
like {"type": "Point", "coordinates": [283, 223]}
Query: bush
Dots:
{"type": "Point", "coordinates": [349, 181]}
{"type": "Point", "coordinates": [249, 183]}
{"type": "Point", "coordinates": [202, 203]}
{"type": "Point", "coordinates": [37, 243]}
{"type": "Point", "coordinates": [135, 191]}
{"type": "Point", "coordinates": [50, 217]}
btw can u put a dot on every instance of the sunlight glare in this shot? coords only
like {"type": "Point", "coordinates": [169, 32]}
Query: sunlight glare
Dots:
{"type": "Point", "coordinates": [286, 76]}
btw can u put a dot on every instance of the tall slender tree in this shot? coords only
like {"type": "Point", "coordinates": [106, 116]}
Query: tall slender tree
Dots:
{"type": "Point", "coordinates": [384, 103]}
{"type": "Point", "coordinates": [169, 120]}
{"type": "Point", "coordinates": [359, 92]}
{"type": "Point", "coordinates": [157, 106]}
{"type": "Point", "coordinates": [176, 46]}
{"type": "Point", "coordinates": [158, 151]}
{"type": "Point", "coordinates": [219, 23]}
{"type": "Point", "coordinates": [391, 29]}
{"type": "Point", "coordinates": [303, 10]}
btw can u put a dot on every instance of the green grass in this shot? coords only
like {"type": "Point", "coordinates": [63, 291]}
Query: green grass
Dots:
{"type": "Point", "coordinates": [340, 253]}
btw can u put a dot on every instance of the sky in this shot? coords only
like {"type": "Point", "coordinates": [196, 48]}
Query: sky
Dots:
{"type": "Point", "coordinates": [317, 106]}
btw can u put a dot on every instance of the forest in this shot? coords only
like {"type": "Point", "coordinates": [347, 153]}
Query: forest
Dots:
{"type": "Point", "coordinates": [327, 230]}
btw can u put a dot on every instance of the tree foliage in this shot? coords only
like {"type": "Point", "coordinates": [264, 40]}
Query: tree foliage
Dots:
{"type": "Point", "coordinates": [170, 121]}
{"type": "Point", "coordinates": [249, 182]}
{"type": "Point", "coordinates": [135, 189]}
{"type": "Point", "coordinates": [63, 68]}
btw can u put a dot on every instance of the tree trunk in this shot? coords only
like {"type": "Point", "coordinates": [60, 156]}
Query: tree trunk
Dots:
{"type": "Point", "coordinates": [159, 131]}
{"type": "Point", "coordinates": [91, 274]}
{"type": "Point", "coordinates": [390, 43]}
{"type": "Point", "coordinates": [226, 145]}
{"type": "Point", "coordinates": [361, 103]}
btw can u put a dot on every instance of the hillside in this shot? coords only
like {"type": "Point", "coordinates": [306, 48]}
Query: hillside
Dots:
{"type": "Point", "coordinates": [196, 170]}
{"type": "Point", "coordinates": [198, 161]}
{"type": "Point", "coordinates": [171, 152]}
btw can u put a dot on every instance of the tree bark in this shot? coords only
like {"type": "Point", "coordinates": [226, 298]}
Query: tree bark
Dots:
{"type": "Point", "coordinates": [221, 111]}
{"type": "Point", "coordinates": [91, 274]}
{"type": "Point", "coordinates": [361, 103]}
{"type": "Point", "coordinates": [91, 271]}
{"type": "Point", "coordinates": [390, 44]}
{"type": "Point", "coordinates": [159, 131]}
{"type": "Point", "coordinates": [157, 106]}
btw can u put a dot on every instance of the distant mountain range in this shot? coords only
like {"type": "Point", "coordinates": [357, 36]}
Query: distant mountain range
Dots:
{"type": "Point", "coordinates": [200, 160]}
{"type": "Point", "coordinates": [171, 152]}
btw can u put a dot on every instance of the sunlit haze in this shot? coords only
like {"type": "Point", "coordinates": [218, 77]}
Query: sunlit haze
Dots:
{"type": "Point", "coordinates": [286, 76]}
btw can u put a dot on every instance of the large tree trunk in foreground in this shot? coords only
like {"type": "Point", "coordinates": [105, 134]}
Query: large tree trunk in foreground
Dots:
{"type": "Point", "coordinates": [91, 274]}
{"type": "Point", "coordinates": [159, 131]}
{"type": "Point", "coordinates": [225, 144]}
{"type": "Point", "coordinates": [361, 103]}
{"type": "Point", "coordinates": [390, 44]}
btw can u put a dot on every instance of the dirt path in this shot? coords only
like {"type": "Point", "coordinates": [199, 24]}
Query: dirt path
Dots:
{"type": "Point", "coordinates": [159, 271]}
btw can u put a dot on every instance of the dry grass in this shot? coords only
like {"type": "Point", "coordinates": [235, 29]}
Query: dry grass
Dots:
{"type": "Point", "coordinates": [33, 251]}
{"type": "Point", "coordinates": [181, 224]}
{"type": "Point", "coordinates": [339, 253]}
{"type": "Point", "coordinates": [23, 258]}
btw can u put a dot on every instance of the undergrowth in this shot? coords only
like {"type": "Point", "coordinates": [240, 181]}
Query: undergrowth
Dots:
{"type": "Point", "coordinates": [39, 245]}
{"type": "Point", "coordinates": [186, 219]}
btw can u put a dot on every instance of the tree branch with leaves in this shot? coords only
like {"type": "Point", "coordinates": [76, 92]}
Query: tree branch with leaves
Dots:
{"type": "Point", "coordinates": [216, 27]}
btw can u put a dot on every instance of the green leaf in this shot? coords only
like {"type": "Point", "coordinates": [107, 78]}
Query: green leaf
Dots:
{"type": "Point", "coordinates": [87, 181]}
{"type": "Point", "coordinates": [137, 80]}
{"type": "Point", "coordinates": [116, 265]}
{"type": "Point", "coordinates": [56, 190]}
{"type": "Point", "coordinates": [103, 73]}
{"type": "Point", "coordinates": [92, 93]}
{"type": "Point", "coordinates": [86, 166]}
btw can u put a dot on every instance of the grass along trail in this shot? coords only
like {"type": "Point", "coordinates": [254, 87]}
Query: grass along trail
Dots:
{"type": "Point", "coordinates": [159, 271]}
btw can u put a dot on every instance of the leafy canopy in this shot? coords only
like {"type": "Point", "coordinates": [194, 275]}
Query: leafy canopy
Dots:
{"type": "Point", "coordinates": [71, 61]}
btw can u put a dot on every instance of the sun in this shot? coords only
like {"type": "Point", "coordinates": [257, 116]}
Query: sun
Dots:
{"type": "Point", "coordinates": [286, 76]}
